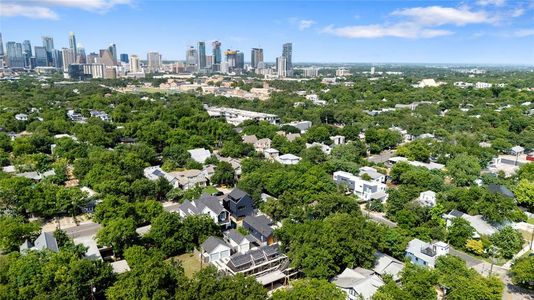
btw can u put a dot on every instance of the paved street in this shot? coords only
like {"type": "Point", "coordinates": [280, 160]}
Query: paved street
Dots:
{"type": "Point", "coordinates": [86, 229]}
{"type": "Point", "coordinates": [377, 217]}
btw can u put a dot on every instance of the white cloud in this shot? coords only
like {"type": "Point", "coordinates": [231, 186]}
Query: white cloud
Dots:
{"type": "Point", "coordinates": [400, 30]}
{"type": "Point", "coordinates": [524, 32]}
{"type": "Point", "coordinates": [43, 9]}
{"type": "Point", "coordinates": [34, 12]}
{"type": "Point", "coordinates": [304, 24]}
{"type": "Point", "coordinates": [438, 15]}
{"type": "Point", "coordinates": [491, 2]}
{"type": "Point", "coordinates": [518, 12]}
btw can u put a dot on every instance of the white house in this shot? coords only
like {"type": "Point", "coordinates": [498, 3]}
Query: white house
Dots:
{"type": "Point", "coordinates": [338, 139]}
{"type": "Point", "coordinates": [21, 117]}
{"type": "Point", "coordinates": [214, 249]}
{"type": "Point", "coordinates": [364, 189]}
{"type": "Point", "coordinates": [427, 198]}
{"type": "Point", "coordinates": [262, 144]}
{"type": "Point", "coordinates": [271, 153]}
{"type": "Point", "coordinates": [206, 205]}
{"type": "Point", "coordinates": [199, 154]}
{"type": "Point", "coordinates": [324, 148]}
{"type": "Point", "coordinates": [425, 254]}
{"type": "Point", "coordinates": [238, 242]}
{"type": "Point", "coordinates": [358, 283]}
{"type": "Point", "coordinates": [373, 173]}
{"type": "Point", "coordinates": [288, 159]}
{"type": "Point", "coordinates": [477, 222]}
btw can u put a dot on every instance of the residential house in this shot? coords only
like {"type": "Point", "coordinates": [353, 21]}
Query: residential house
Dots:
{"type": "Point", "coordinates": [249, 139]}
{"type": "Point", "coordinates": [425, 254]}
{"type": "Point", "coordinates": [358, 283]}
{"type": "Point", "coordinates": [76, 117]}
{"type": "Point", "coordinates": [188, 179]}
{"type": "Point", "coordinates": [427, 198]}
{"type": "Point", "coordinates": [267, 264]}
{"type": "Point", "coordinates": [206, 205]}
{"type": "Point", "coordinates": [238, 242]}
{"type": "Point", "coordinates": [120, 266]}
{"type": "Point", "coordinates": [271, 153]}
{"type": "Point", "coordinates": [481, 226]}
{"type": "Point", "coordinates": [292, 136]}
{"type": "Point", "coordinates": [517, 150]}
{"type": "Point", "coordinates": [214, 249]}
{"type": "Point", "coordinates": [324, 148]}
{"type": "Point", "coordinates": [429, 166]}
{"type": "Point", "coordinates": [261, 228]}
{"type": "Point", "coordinates": [21, 117]}
{"type": "Point", "coordinates": [199, 154]}
{"type": "Point", "coordinates": [338, 139]}
{"type": "Point", "coordinates": [288, 159]}
{"type": "Point", "coordinates": [100, 114]}
{"type": "Point", "coordinates": [500, 189]}
{"type": "Point", "coordinates": [238, 203]}
{"type": "Point", "coordinates": [36, 176]}
{"type": "Point", "coordinates": [303, 126]}
{"type": "Point", "coordinates": [373, 173]}
{"type": "Point", "coordinates": [387, 265]}
{"type": "Point", "coordinates": [366, 190]}
{"type": "Point", "coordinates": [45, 241]}
{"type": "Point", "coordinates": [262, 144]}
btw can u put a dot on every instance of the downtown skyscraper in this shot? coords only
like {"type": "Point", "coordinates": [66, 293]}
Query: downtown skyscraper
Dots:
{"type": "Point", "coordinates": [256, 56]}
{"type": "Point", "coordinates": [287, 54]}
{"type": "Point", "coordinates": [15, 58]}
{"type": "Point", "coordinates": [72, 44]}
{"type": "Point", "coordinates": [217, 55]}
{"type": "Point", "coordinates": [201, 56]}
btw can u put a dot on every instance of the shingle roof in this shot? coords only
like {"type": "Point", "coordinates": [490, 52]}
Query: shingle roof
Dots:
{"type": "Point", "coordinates": [260, 224]}
{"type": "Point", "coordinates": [212, 243]}
{"type": "Point", "coordinates": [235, 236]}
{"type": "Point", "coordinates": [46, 241]}
{"type": "Point", "coordinates": [211, 202]}
{"type": "Point", "coordinates": [501, 189]}
{"type": "Point", "coordinates": [236, 194]}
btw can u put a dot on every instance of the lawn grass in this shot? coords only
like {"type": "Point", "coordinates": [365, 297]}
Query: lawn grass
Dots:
{"type": "Point", "coordinates": [530, 221]}
{"type": "Point", "coordinates": [210, 190]}
{"type": "Point", "coordinates": [190, 263]}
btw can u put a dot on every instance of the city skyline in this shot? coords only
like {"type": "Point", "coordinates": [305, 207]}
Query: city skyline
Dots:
{"type": "Point", "coordinates": [495, 32]}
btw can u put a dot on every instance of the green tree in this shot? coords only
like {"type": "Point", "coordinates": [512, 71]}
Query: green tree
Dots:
{"type": "Point", "coordinates": [464, 169]}
{"type": "Point", "coordinates": [224, 174]}
{"type": "Point", "coordinates": [459, 232]}
{"type": "Point", "coordinates": [508, 240]}
{"type": "Point", "coordinates": [15, 230]}
{"type": "Point", "coordinates": [118, 233]}
{"type": "Point", "coordinates": [310, 289]}
{"type": "Point", "coordinates": [523, 272]}
{"type": "Point", "coordinates": [524, 193]}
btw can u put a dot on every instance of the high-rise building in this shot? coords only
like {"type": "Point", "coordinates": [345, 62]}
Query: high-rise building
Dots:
{"type": "Point", "coordinates": [216, 52]}
{"type": "Point", "coordinates": [124, 58]}
{"type": "Point", "coordinates": [81, 58]}
{"type": "Point", "coordinates": [68, 58]}
{"type": "Point", "coordinates": [154, 62]}
{"type": "Point", "coordinates": [27, 52]}
{"type": "Point", "coordinates": [209, 61]}
{"type": "Point", "coordinates": [134, 64]}
{"type": "Point", "coordinates": [92, 58]}
{"type": "Point", "coordinates": [72, 44]}
{"type": "Point", "coordinates": [256, 56]}
{"type": "Point", "coordinates": [230, 58]}
{"type": "Point", "coordinates": [41, 56]}
{"type": "Point", "coordinates": [310, 72]}
{"type": "Point", "coordinates": [281, 66]}
{"type": "Point", "coordinates": [96, 70]}
{"type": "Point", "coordinates": [106, 57]}
{"type": "Point", "coordinates": [287, 53]}
{"type": "Point", "coordinates": [240, 60]}
{"type": "Point", "coordinates": [113, 49]}
{"type": "Point", "coordinates": [1, 45]}
{"type": "Point", "coordinates": [48, 44]}
{"type": "Point", "coordinates": [15, 58]}
{"type": "Point", "coordinates": [57, 59]}
{"type": "Point", "coordinates": [201, 55]}
{"type": "Point", "coordinates": [191, 59]}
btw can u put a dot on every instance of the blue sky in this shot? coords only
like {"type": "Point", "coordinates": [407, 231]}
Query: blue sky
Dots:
{"type": "Point", "coordinates": [476, 31]}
